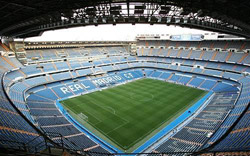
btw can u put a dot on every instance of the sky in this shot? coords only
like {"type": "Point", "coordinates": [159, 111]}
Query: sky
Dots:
{"type": "Point", "coordinates": [120, 32]}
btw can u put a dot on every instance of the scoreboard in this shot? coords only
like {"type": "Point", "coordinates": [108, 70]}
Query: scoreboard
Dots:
{"type": "Point", "coordinates": [187, 37]}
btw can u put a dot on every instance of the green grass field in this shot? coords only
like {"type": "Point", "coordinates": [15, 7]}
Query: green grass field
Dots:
{"type": "Point", "coordinates": [129, 114]}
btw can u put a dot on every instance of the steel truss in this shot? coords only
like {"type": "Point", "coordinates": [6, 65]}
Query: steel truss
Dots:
{"type": "Point", "coordinates": [126, 11]}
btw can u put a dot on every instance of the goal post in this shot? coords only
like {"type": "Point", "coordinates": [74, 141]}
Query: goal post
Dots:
{"type": "Point", "coordinates": [80, 117]}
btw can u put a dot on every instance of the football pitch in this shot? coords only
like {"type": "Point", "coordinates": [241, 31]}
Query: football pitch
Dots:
{"type": "Point", "coordinates": [127, 115]}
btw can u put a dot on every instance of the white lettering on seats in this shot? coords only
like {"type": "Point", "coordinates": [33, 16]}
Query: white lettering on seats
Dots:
{"type": "Point", "coordinates": [72, 88]}
{"type": "Point", "coordinates": [65, 90]}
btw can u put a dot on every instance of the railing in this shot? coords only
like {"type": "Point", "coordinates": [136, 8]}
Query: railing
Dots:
{"type": "Point", "coordinates": [39, 143]}
{"type": "Point", "coordinates": [36, 148]}
{"type": "Point", "coordinates": [13, 144]}
{"type": "Point", "coordinates": [213, 153]}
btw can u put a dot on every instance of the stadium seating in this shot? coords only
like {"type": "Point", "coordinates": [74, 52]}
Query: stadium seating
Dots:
{"type": "Point", "coordinates": [34, 91]}
{"type": "Point", "coordinates": [15, 131]}
{"type": "Point", "coordinates": [59, 54]}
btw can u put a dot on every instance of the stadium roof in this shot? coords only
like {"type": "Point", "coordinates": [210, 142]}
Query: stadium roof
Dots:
{"type": "Point", "coordinates": [28, 18]}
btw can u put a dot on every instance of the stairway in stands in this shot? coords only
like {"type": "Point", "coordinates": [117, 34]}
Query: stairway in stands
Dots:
{"type": "Point", "coordinates": [4, 46]}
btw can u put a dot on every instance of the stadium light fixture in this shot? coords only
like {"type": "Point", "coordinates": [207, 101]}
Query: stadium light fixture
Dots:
{"type": "Point", "coordinates": [86, 20]}
{"type": "Point", "coordinates": [169, 19]}
{"type": "Point", "coordinates": [149, 19]}
{"type": "Point", "coordinates": [114, 20]}
{"type": "Point", "coordinates": [185, 20]}
{"type": "Point", "coordinates": [177, 20]}
{"type": "Point", "coordinates": [104, 20]}
{"type": "Point", "coordinates": [159, 20]}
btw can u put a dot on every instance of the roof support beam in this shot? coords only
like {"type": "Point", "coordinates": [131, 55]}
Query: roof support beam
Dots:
{"type": "Point", "coordinates": [128, 7]}
{"type": "Point", "coordinates": [19, 5]}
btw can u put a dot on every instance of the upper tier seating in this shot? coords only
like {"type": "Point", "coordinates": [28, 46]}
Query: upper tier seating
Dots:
{"type": "Point", "coordinates": [56, 54]}
{"type": "Point", "coordinates": [196, 52]}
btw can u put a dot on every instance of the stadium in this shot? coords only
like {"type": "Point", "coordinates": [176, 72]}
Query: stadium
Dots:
{"type": "Point", "coordinates": [155, 95]}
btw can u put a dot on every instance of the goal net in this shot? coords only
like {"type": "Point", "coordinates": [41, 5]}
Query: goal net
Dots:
{"type": "Point", "coordinates": [80, 117]}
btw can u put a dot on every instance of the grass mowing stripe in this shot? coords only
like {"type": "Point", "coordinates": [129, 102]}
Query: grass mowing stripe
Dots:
{"type": "Point", "coordinates": [133, 112]}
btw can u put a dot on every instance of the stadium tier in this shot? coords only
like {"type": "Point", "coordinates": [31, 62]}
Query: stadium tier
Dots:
{"type": "Point", "coordinates": [34, 97]}
{"type": "Point", "coordinates": [46, 54]}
